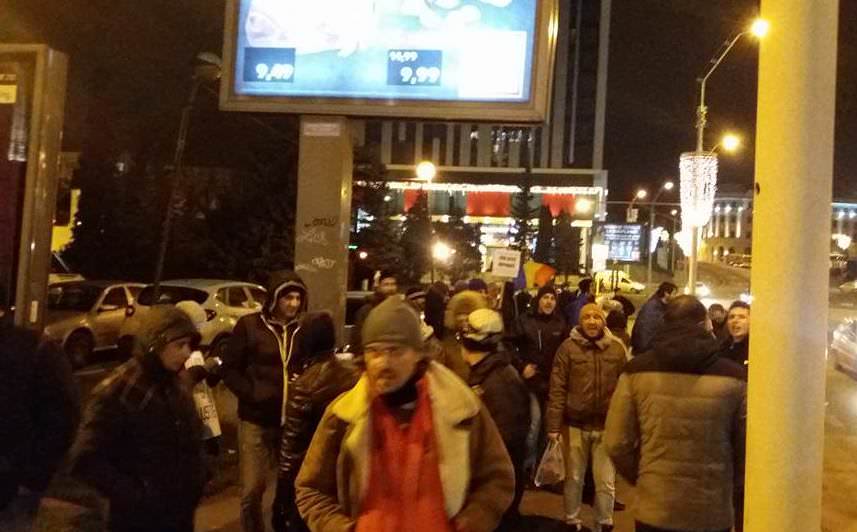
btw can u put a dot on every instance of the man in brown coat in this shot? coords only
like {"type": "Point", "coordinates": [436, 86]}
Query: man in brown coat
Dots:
{"type": "Point", "coordinates": [585, 372]}
{"type": "Point", "coordinates": [676, 426]}
{"type": "Point", "coordinates": [410, 447]}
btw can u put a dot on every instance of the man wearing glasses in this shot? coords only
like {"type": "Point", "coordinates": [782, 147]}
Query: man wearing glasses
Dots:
{"type": "Point", "coordinates": [410, 447]}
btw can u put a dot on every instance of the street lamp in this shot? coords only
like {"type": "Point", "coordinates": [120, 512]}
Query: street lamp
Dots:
{"type": "Point", "coordinates": [699, 169]}
{"type": "Point", "coordinates": [207, 69]}
{"type": "Point", "coordinates": [440, 252]}
{"type": "Point", "coordinates": [426, 171]}
{"type": "Point", "coordinates": [640, 195]}
{"type": "Point", "coordinates": [667, 186]}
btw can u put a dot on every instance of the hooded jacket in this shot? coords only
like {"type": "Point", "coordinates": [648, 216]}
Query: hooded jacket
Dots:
{"type": "Point", "coordinates": [475, 470]}
{"type": "Point", "coordinates": [504, 394]}
{"type": "Point", "coordinates": [258, 362]}
{"type": "Point", "coordinates": [541, 336]}
{"type": "Point", "coordinates": [585, 373]}
{"type": "Point", "coordinates": [648, 322]}
{"type": "Point", "coordinates": [141, 441]}
{"type": "Point", "coordinates": [39, 406]}
{"type": "Point", "coordinates": [676, 429]}
{"type": "Point", "coordinates": [451, 356]}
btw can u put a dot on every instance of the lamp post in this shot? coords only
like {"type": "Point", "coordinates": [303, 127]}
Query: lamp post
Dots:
{"type": "Point", "coordinates": [666, 187]}
{"type": "Point", "coordinates": [701, 166]}
{"type": "Point", "coordinates": [207, 69]}
{"type": "Point", "coordinates": [640, 195]}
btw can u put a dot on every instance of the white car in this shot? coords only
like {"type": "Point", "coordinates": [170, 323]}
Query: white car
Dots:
{"type": "Point", "coordinates": [848, 288]}
{"type": "Point", "coordinates": [622, 282]}
{"type": "Point", "coordinates": [224, 303]}
{"type": "Point", "coordinates": [702, 290]}
{"type": "Point", "coordinates": [843, 348]}
{"type": "Point", "coordinates": [85, 316]}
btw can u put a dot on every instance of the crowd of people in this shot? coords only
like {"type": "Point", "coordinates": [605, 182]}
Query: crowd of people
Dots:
{"type": "Point", "coordinates": [435, 418]}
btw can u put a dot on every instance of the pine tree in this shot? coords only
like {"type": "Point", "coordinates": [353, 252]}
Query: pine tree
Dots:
{"type": "Point", "coordinates": [465, 239]}
{"type": "Point", "coordinates": [416, 241]}
{"type": "Point", "coordinates": [523, 214]}
{"type": "Point", "coordinates": [544, 252]}
{"type": "Point", "coordinates": [566, 245]}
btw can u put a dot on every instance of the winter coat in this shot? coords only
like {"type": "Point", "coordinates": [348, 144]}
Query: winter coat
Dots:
{"type": "Point", "coordinates": [736, 351]}
{"type": "Point", "coordinates": [141, 447]}
{"type": "Point", "coordinates": [39, 409]}
{"type": "Point", "coordinates": [504, 394]}
{"type": "Point", "coordinates": [584, 376]}
{"type": "Point", "coordinates": [648, 322]}
{"type": "Point", "coordinates": [676, 429]}
{"type": "Point", "coordinates": [477, 475]}
{"type": "Point", "coordinates": [255, 355]}
{"type": "Point", "coordinates": [309, 395]}
{"type": "Point", "coordinates": [573, 310]}
{"type": "Point", "coordinates": [541, 336]}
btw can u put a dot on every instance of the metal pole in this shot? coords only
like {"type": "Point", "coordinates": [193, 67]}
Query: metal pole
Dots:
{"type": "Point", "coordinates": [794, 178]}
{"type": "Point", "coordinates": [178, 161]}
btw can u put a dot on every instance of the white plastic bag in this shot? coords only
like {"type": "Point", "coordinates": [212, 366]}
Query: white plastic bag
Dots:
{"type": "Point", "coordinates": [552, 467]}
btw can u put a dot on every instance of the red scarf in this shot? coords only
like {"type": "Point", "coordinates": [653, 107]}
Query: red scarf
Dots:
{"type": "Point", "coordinates": [405, 491]}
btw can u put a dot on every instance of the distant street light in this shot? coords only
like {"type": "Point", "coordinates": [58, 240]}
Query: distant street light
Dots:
{"type": "Point", "coordinates": [583, 206]}
{"type": "Point", "coordinates": [363, 255]}
{"type": "Point", "coordinates": [730, 142]}
{"type": "Point", "coordinates": [699, 169]}
{"type": "Point", "coordinates": [207, 69]}
{"type": "Point", "coordinates": [426, 171]}
{"type": "Point", "coordinates": [440, 252]}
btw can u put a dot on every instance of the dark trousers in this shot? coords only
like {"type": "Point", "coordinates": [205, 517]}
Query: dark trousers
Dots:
{"type": "Point", "coordinates": [642, 527]}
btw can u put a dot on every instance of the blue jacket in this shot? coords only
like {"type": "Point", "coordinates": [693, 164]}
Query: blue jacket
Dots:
{"type": "Point", "coordinates": [648, 322]}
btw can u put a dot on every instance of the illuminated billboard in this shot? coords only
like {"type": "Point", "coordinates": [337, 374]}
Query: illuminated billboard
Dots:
{"type": "Point", "coordinates": [623, 241]}
{"type": "Point", "coordinates": [449, 59]}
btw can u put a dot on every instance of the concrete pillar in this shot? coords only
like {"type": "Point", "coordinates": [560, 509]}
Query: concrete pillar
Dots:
{"type": "Point", "coordinates": [323, 217]}
{"type": "Point", "coordinates": [794, 169]}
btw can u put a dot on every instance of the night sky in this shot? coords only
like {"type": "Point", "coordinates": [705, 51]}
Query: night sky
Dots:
{"type": "Point", "coordinates": [130, 62]}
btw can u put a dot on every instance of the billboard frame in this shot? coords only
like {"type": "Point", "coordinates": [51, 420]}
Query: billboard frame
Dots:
{"type": "Point", "coordinates": [533, 111]}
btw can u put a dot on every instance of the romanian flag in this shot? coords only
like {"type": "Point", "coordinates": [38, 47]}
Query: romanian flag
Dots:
{"type": "Point", "coordinates": [534, 274]}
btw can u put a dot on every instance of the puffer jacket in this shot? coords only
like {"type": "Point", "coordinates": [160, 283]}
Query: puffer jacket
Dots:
{"type": "Point", "coordinates": [676, 429]}
{"type": "Point", "coordinates": [141, 445]}
{"type": "Point", "coordinates": [475, 470]}
{"type": "Point", "coordinates": [321, 382]}
{"type": "Point", "coordinates": [585, 373]}
{"type": "Point", "coordinates": [256, 355]}
{"type": "Point", "coordinates": [541, 336]}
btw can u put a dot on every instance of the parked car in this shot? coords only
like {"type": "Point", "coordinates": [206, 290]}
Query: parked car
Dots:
{"type": "Point", "coordinates": [843, 347]}
{"type": "Point", "coordinates": [623, 282]}
{"type": "Point", "coordinates": [702, 290]}
{"type": "Point", "coordinates": [60, 271]}
{"type": "Point", "coordinates": [224, 303]}
{"type": "Point", "coordinates": [85, 316]}
{"type": "Point", "coordinates": [848, 288]}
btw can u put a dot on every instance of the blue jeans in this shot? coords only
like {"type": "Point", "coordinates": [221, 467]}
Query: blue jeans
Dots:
{"type": "Point", "coordinates": [258, 451]}
{"type": "Point", "coordinates": [581, 447]}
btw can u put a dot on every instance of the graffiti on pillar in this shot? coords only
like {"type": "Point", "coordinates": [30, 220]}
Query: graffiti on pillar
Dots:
{"type": "Point", "coordinates": [312, 235]}
{"type": "Point", "coordinates": [323, 263]}
{"type": "Point", "coordinates": [331, 221]}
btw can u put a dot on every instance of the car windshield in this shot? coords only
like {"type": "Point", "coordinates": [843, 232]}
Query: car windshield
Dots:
{"type": "Point", "coordinates": [172, 295]}
{"type": "Point", "coordinates": [72, 296]}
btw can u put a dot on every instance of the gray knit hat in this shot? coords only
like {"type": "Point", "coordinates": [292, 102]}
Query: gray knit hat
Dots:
{"type": "Point", "coordinates": [393, 321]}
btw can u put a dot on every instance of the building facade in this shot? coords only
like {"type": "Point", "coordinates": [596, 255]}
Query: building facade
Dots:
{"type": "Point", "coordinates": [480, 166]}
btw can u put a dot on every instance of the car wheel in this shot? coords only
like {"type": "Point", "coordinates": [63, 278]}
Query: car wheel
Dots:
{"type": "Point", "coordinates": [78, 348]}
